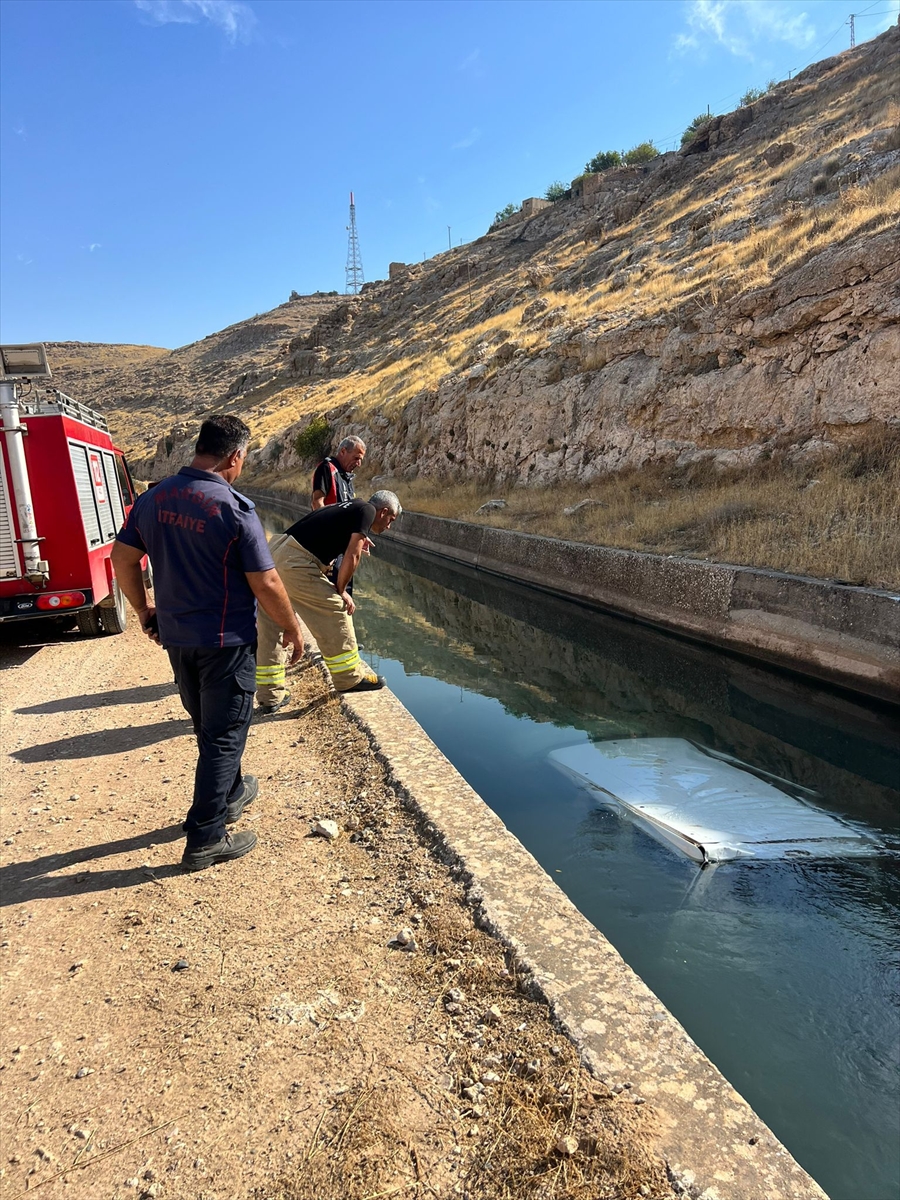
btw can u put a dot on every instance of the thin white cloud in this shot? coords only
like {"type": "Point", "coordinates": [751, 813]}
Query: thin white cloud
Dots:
{"type": "Point", "coordinates": [469, 140]}
{"type": "Point", "coordinates": [94, 246]}
{"type": "Point", "coordinates": [236, 20]}
{"type": "Point", "coordinates": [21, 132]}
{"type": "Point", "coordinates": [22, 259]}
{"type": "Point", "coordinates": [472, 65]}
{"type": "Point", "coordinates": [743, 26]}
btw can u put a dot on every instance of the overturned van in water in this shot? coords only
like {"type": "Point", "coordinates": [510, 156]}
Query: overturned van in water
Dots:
{"type": "Point", "coordinates": [709, 806]}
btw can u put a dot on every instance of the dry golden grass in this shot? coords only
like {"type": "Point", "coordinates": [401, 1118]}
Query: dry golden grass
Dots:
{"type": "Point", "coordinates": [836, 518]}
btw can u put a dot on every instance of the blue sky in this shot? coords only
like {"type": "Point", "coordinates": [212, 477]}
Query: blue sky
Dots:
{"type": "Point", "coordinates": [173, 166]}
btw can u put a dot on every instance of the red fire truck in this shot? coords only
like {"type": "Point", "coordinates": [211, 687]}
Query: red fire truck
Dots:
{"type": "Point", "coordinates": [65, 490]}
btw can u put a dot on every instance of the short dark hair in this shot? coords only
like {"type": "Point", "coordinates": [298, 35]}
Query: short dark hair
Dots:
{"type": "Point", "coordinates": [222, 435]}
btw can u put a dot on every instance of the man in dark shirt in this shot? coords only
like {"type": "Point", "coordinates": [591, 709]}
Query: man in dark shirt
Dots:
{"type": "Point", "coordinates": [333, 483]}
{"type": "Point", "coordinates": [211, 564]}
{"type": "Point", "coordinates": [303, 556]}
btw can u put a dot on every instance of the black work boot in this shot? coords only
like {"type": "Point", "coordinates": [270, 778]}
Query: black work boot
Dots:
{"type": "Point", "coordinates": [371, 683]}
{"type": "Point", "coordinates": [248, 792]}
{"type": "Point", "coordinates": [231, 846]}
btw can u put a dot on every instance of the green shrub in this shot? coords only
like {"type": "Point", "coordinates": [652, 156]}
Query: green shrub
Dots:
{"type": "Point", "coordinates": [752, 95]}
{"type": "Point", "coordinates": [503, 214]}
{"type": "Point", "coordinates": [556, 191]}
{"type": "Point", "coordinates": [313, 441]}
{"type": "Point", "coordinates": [603, 161]}
{"type": "Point", "coordinates": [641, 153]}
{"type": "Point", "coordinates": [695, 126]}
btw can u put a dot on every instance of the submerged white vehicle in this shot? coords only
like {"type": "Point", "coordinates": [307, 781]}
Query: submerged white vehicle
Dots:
{"type": "Point", "coordinates": [709, 806]}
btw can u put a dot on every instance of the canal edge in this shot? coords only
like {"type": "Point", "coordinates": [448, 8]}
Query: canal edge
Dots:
{"type": "Point", "coordinates": [715, 1145]}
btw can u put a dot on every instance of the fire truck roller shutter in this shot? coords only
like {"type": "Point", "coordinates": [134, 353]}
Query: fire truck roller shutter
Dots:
{"type": "Point", "coordinates": [10, 567]}
{"type": "Point", "coordinates": [113, 490]}
{"type": "Point", "coordinates": [89, 514]}
{"type": "Point", "coordinates": [108, 528]}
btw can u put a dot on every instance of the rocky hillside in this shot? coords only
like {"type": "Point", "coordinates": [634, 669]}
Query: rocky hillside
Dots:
{"type": "Point", "coordinates": [716, 303]}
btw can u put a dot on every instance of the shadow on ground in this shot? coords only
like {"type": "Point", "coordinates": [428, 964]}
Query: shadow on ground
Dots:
{"type": "Point", "coordinates": [136, 695]}
{"type": "Point", "coordinates": [23, 882]}
{"type": "Point", "coordinates": [103, 741]}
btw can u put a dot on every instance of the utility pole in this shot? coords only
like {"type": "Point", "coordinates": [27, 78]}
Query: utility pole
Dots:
{"type": "Point", "coordinates": [852, 30]}
{"type": "Point", "coordinates": [449, 243]}
{"type": "Point", "coordinates": [354, 269]}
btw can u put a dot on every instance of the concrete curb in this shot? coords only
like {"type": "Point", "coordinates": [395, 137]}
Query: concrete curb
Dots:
{"type": "Point", "coordinates": [716, 1147]}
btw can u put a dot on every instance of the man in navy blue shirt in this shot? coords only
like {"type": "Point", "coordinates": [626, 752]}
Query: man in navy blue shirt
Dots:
{"type": "Point", "coordinates": [211, 564]}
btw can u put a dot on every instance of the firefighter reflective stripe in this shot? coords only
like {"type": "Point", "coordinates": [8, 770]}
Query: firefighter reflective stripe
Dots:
{"type": "Point", "coordinates": [270, 676]}
{"type": "Point", "coordinates": [339, 663]}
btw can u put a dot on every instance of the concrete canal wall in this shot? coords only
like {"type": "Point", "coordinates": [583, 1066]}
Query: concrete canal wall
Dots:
{"type": "Point", "coordinates": [841, 634]}
{"type": "Point", "coordinates": [844, 635]}
{"type": "Point", "coordinates": [715, 1145]}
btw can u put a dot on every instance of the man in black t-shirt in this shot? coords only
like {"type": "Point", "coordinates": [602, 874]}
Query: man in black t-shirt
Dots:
{"type": "Point", "coordinates": [303, 556]}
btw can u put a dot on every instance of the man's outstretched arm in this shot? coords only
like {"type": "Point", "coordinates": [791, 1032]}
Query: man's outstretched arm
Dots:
{"type": "Point", "coordinates": [273, 599]}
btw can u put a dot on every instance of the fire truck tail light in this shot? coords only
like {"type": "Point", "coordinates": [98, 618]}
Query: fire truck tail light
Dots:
{"type": "Point", "coordinates": [61, 600]}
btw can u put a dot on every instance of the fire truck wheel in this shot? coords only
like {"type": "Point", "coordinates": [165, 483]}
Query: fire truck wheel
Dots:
{"type": "Point", "coordinates": [89, 622]}
{"type": "Point", "coordinates": [114, 611]}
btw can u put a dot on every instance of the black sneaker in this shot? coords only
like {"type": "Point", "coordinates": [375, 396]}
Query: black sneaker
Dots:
{"type": "Point", "coordinates": [231, 846]}
{"type": "Point", "coordinates": [266, 710]}
{"type": "Point", "coordinates": [249, 791]}
{"type": "Point", "coordinates": [371, 683]}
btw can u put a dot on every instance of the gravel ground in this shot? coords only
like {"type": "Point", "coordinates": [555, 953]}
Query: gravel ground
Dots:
{"type": "Point", "coordinates": [319, 1019]}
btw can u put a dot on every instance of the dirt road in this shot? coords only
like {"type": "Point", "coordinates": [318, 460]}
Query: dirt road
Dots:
{"type": "Point", "coordinates": [248, 1031]}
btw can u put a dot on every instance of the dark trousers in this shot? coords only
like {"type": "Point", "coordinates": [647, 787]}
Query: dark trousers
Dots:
{"type": "Point", "coordinates": [216, 688]}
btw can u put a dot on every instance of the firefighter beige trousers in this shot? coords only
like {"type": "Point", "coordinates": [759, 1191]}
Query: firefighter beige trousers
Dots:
{"type": "Point", "coordinates": [316, 602]}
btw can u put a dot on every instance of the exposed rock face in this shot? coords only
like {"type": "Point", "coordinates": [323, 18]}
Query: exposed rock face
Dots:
{"type": "Point", "coordinates": [816, 352]}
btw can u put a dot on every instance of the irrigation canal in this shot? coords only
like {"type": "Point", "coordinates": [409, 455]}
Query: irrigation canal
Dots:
{"type": "Point", "coordinates": [785, 973]}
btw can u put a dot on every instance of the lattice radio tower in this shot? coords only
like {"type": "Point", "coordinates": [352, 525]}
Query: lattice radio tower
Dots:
{"type": "Point", "coordinates": [355, 277]}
